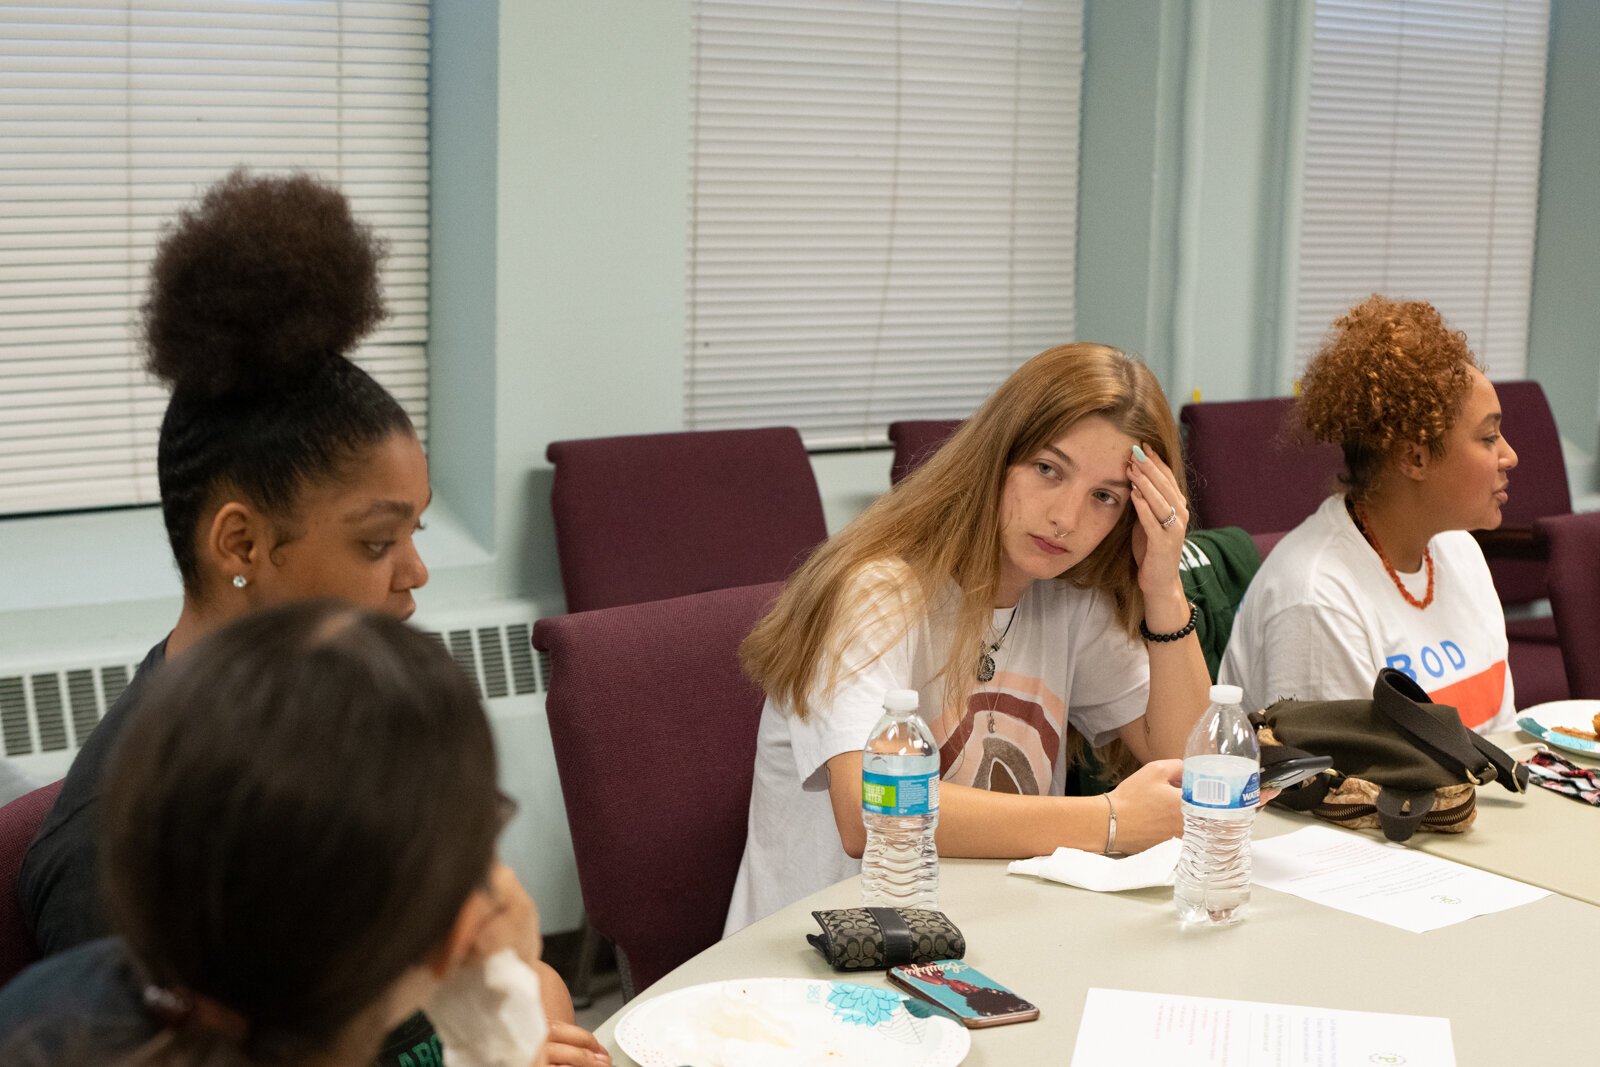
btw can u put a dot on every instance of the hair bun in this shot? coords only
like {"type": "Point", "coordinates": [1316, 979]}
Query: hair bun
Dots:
{"type": "Point", "coordinates": [259, 283]}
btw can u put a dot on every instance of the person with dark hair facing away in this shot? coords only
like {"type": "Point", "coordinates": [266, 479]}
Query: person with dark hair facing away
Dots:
{"type": "Point", "coordinates": [1384, 573]}
{"type": "Point", "coordinates": [286, 472]}
{"type": "Point", "coordinates": [280, 890]}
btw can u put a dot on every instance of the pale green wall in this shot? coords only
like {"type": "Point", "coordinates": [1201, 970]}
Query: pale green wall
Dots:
{"type": "Point", "coordinates": [568, 310]}
{"type": "Point", "coordinates": [1231, 225]}
{"type": "Point", "coordinates": [1133, 68]}
{"type": "Point", "coordinates": [1189, 112]}
{"type": "Point", "coordinates": [560, 199]}
{"type": "Point", "coordinates": [593, 200]}
{"type": "Point", "coordinates": [464, 117]}
{"type": "Point", "coordinates": [1564, 334]}
{"type": "Point", "coordinates": [1191, 115]}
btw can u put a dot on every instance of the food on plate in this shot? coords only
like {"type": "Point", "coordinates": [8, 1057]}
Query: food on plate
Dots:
{"type": "Point", "coordinates": [741, 1027]}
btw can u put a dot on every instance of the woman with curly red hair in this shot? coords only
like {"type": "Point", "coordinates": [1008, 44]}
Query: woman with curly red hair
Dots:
{"type": "Point", "coordinates": [1384, 573]}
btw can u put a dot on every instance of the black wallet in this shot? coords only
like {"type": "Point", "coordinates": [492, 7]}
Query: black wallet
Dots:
{"type": "Point", "coordinates": [875, 939]}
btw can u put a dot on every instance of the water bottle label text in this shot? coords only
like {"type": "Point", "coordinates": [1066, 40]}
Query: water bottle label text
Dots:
{"type": "Point", "coordinates": [888, 794]}
{"type": "Point", "coordinates": [1221, 791]}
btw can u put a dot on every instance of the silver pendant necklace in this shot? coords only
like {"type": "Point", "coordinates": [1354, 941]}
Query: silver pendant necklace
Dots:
{"type": "Point", "coordinates": [986, 660]}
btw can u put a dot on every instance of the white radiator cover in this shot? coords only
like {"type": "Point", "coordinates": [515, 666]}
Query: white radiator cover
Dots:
{"type": "Point", "coordinates": [49, 704]}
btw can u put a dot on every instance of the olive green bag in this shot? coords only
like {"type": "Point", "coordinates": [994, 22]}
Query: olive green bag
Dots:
{"type": "Point", "coordinates": [1400, 761]}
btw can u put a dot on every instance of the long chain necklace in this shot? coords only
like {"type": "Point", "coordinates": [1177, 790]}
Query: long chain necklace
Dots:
{"type": "Point", "coordinates": [986, 660]}
{"type": "Point", "coordinates": [1358, 514]}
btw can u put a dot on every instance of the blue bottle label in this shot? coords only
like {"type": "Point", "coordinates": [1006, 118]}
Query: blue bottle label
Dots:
{"type": "Point", "coordinates": [892, 794]}
{"type": "Point", "coordinates": [1215, 787]}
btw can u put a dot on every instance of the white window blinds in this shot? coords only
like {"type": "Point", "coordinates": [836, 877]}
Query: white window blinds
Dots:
{"type": "Point", "coordinates": [1422, 165]}
{"type": "Point", "coordinates": [884, 202]}
{"type": "Point", "coordinates": [115, 114]}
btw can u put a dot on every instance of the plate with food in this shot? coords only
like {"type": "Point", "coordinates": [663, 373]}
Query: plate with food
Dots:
{"type": "Point", "coordinates": [790, 1022]}
{"type": "Point", "coordinates": [1573, 725]}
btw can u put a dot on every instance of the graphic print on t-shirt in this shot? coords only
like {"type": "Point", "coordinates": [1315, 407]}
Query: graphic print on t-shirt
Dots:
{"type": "Point", "coordinates": [1008, 740]}
{"type": "Point", "coordinates": [1477, 696]}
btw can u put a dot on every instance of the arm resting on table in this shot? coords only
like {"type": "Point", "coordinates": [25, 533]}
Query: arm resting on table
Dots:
{"type": "Point", "coordinates": [979, 824]}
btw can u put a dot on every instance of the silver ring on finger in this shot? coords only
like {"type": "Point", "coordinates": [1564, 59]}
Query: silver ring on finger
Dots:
{"type": "Point", "coordinates": [1170, 519]}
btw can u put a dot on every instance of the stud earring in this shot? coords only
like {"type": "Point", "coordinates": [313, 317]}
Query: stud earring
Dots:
{"type": "Point", "coordinates": [240, 581]}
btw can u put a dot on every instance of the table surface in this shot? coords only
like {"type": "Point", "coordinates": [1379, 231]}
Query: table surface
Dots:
{"type": "Point", "coordinates": [1542, 838]}
{"type": "Point", "coordinates": [1051, 943]}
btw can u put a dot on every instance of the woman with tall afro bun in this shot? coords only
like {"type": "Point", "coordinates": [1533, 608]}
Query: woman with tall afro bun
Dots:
{"type": "Point", "coordinates": [1384, 573]}
{"type": "Point", "coordinates": [286, 473]}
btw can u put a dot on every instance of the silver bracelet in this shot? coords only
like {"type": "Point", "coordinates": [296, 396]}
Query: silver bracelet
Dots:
{"type": "Point", "coordinates": [1111, 827]}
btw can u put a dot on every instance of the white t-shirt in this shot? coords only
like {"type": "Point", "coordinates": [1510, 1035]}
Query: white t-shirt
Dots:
{"type": "Point", "coordinates": [1322, 617]}
{"type": "Point", "coordinates": [1064, 651]}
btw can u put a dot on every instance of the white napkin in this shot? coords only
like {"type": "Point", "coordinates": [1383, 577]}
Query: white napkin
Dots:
{"type": "Point", "coordinates": [1090, 870]}
{"type": "Point", "coordinates": [490, 1014]}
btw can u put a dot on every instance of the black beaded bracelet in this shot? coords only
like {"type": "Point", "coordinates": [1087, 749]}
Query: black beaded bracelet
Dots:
{"type": "Point", "coordinates": [1176, 635]}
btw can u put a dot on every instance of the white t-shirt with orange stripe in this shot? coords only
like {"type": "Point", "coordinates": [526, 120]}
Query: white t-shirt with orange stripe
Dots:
{"type": "Point", "coordinates": [1063, 659]}
{"type": "Point", "coordinates": [1322, 617]}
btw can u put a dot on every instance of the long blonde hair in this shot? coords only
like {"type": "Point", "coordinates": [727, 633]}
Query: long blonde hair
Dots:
{"type": "Point", "coordinates": [943, 524]}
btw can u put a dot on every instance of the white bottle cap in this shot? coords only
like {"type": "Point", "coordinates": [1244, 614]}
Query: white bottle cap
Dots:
{"type": "Point", "coordinates": [901, 700]}
{"type": "Point", "coordinates": [1226, 694]}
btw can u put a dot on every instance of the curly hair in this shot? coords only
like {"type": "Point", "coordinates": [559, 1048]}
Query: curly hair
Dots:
{"type": "Point", "coordinates": [264, 275]}
{"type": "Point", "coordinates": [1391, 374]}
{"type": "Point", "coordinates": [257, 292]}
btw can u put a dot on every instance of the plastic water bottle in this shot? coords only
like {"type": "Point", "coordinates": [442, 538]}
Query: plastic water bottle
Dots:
{"type": "Point", "coordinates": [1221, 786]}
{"type": "Point", "coordinates": [900, 807]}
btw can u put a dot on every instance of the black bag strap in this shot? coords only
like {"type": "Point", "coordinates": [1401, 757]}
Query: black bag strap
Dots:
{"type": "Point", "coordinates": [1459, 750]}
{"type": "Point", "coordinates": [1400, 811]}
{"type": "Point", "coordinates": [1509, 773]}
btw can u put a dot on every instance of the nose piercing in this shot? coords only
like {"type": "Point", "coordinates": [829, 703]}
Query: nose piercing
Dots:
{"type": "Point", "coordinates": [1055, 529]}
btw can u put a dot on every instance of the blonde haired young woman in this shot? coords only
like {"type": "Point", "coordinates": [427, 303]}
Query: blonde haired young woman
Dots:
{"type": "Point", "coordinates": [1009, 581]}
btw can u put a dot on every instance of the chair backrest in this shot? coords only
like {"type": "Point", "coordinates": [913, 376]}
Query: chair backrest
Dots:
{"type": "Point", "coordinates": [1574, 589]}
{"type": "Point", "coordinates": [1266, 542]}
{"type": "Point", "coordinates": [1538, 485]}
{"type": "Point", "coordinates": [19, 822]}
{"type": "Point", "coordinates": [1245, 469]}
{"type": "Point", "coordinates": [914, 441]}
{"type": "Point", "coordinates": [654, 729]}
{"type": "Point", "coordinates": [653, 516]}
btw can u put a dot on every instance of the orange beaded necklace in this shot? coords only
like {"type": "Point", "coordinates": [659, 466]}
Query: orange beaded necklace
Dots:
{"type": "Point", "coordinates": [1356, 513]}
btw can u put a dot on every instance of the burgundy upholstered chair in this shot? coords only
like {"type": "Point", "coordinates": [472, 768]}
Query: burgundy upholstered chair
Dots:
{"type": "Point", "coordinates": [1266, 542]}
{"type": "Point", "coordinates": [662, 515]}
{"type": "Point", "coordinates": [914, 441]}
{"type": "Point", "coordinates": [654, 730]}
{"type": "Point", "coordinates": [19, 822]}
{"type": "Point", "coordinates": [1245, 469]}
{"type": "Point", "coordinates": [1518, 557]}
{"type": "Point", "coordinates": [1574, 542]}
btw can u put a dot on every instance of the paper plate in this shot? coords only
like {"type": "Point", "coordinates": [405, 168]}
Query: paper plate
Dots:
{"type": "Point", "coordinates": [1541, 720]}
{"type": "Point", "coordinates": [790, 1022]}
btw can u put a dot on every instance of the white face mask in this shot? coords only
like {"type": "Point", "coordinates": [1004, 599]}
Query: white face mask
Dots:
{"type": "Point", "coordinates": [490, 1014]}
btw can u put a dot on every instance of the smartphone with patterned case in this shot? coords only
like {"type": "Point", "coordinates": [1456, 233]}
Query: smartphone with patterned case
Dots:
{"type": "Point", "coordinates": [963, 991]}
